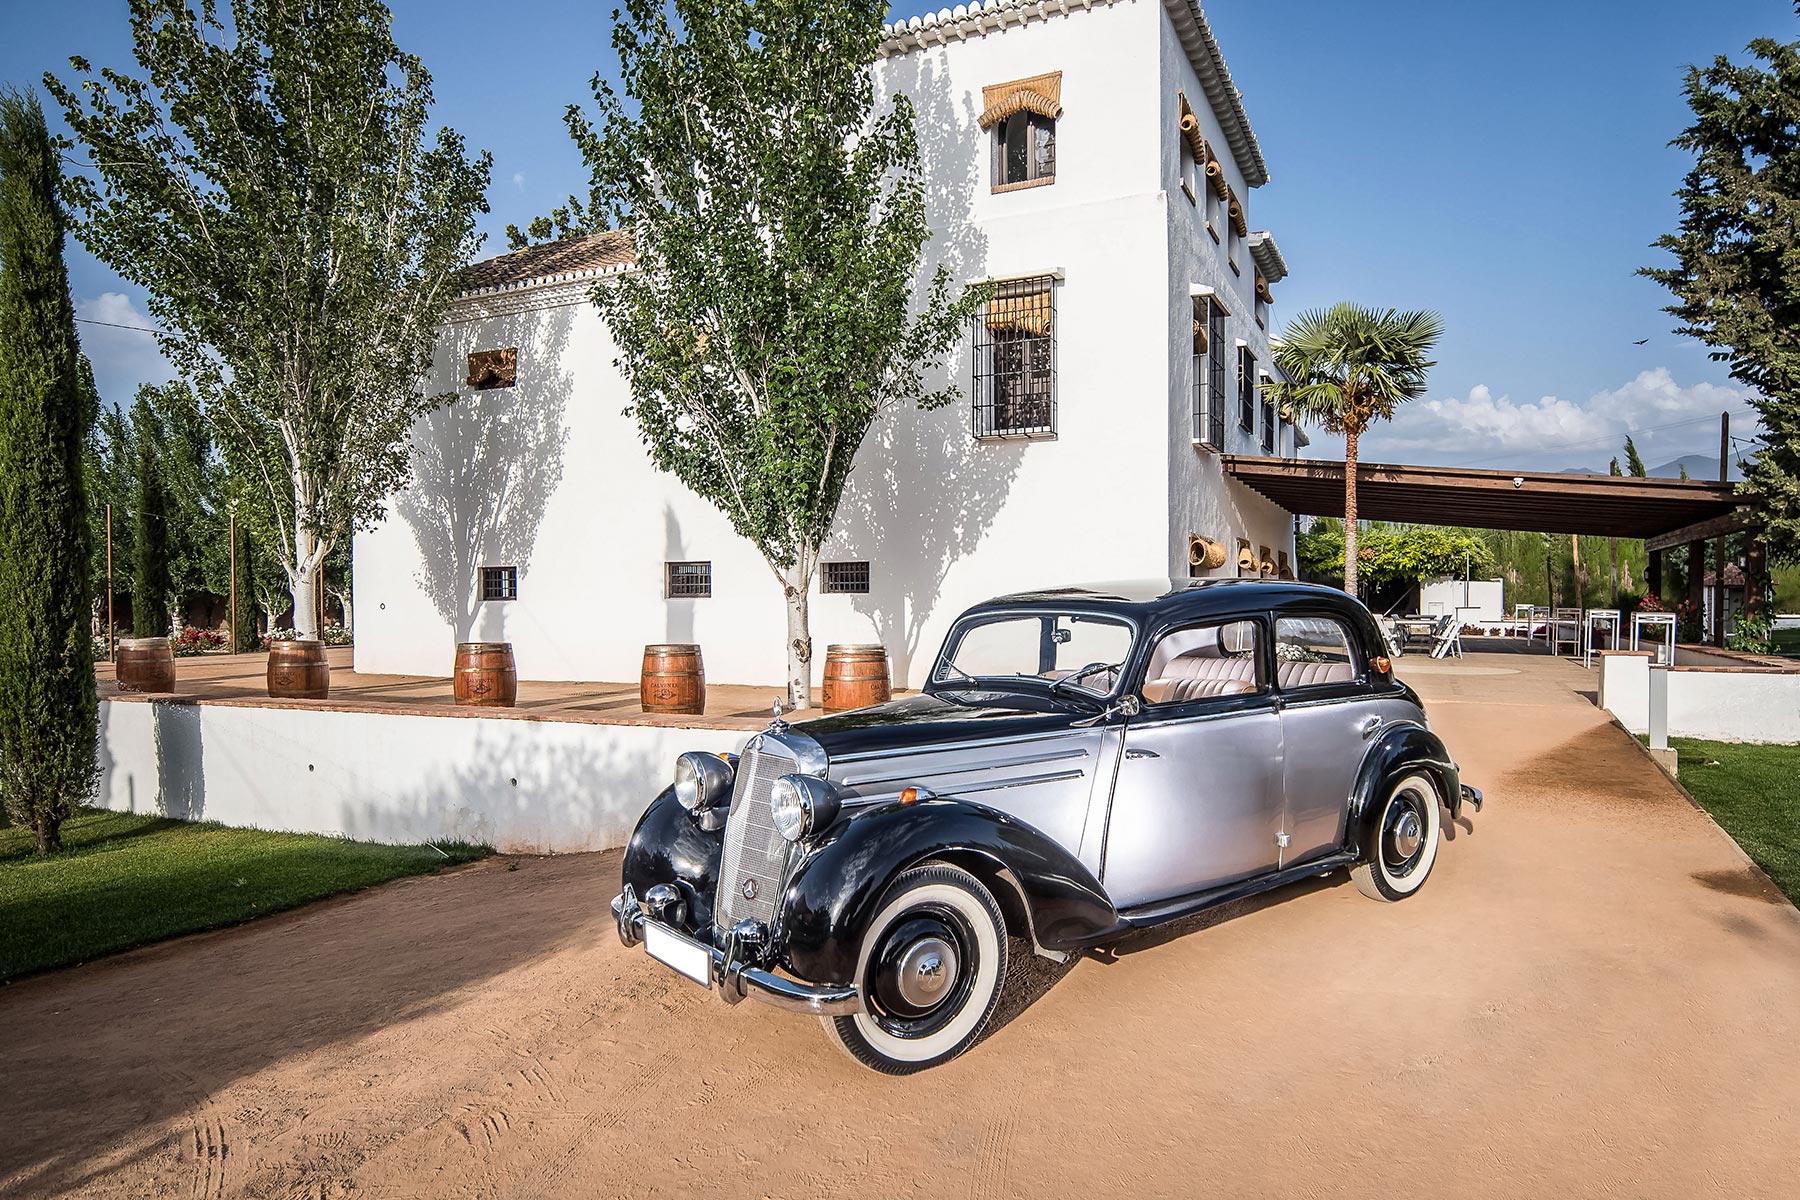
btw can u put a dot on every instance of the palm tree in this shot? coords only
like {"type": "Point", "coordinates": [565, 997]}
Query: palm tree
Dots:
{"type": "Point", "coordinates": [1346, 367]}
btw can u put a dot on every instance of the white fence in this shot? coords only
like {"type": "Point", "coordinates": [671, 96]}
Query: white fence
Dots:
{"type": "Point", "coordinates": [1733, 704]}
{"type": "Point", "coordinates": [516, 784]}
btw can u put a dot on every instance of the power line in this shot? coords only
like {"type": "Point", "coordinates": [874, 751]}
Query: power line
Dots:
{"type": "Point", "coordinates": [116, 325]}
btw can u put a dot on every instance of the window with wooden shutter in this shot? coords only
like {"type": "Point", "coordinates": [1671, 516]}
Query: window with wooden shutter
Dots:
{"type": "Point", "coordinates": [1014, 360]}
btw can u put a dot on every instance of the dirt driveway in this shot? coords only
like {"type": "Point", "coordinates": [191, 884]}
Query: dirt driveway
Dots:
{"type": "Point", "coordinates": [1595, 995]}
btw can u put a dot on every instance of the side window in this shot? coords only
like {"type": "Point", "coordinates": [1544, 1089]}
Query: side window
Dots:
{"type": "Point", "coordinates": [1204, 661]}
{"type": "Point", "coordinates": [1313, 651]}
{"type": "Point", "coordinates": [1020, 118]}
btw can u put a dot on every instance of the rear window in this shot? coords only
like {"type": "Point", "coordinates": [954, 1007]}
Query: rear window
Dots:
{"type": "Point", "coordinates": [1312, 651]}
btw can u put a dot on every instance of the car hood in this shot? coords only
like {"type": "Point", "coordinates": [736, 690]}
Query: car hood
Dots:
{"type": "Point", "coordinates": [933, 720]}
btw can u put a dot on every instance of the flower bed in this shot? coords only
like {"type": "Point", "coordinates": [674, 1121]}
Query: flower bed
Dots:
{"type": "Point", "coordinates": [193, 641]}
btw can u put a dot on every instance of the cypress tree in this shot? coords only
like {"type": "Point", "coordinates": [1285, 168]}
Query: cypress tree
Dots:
{"type": "Point", "coordinates": [150, 586]}
{"type": "Point", "coordinates": [243, 618]}
{"type": "Point", "coordinates": [49, 717]}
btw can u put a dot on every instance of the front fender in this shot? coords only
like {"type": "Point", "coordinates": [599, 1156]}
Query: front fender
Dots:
{"type": "Point", "coordinates": [669, 847]}
{"type": "Point", "coordinates": [1400, 748]}
{"type": "Point", "coordinates": [835, 892]}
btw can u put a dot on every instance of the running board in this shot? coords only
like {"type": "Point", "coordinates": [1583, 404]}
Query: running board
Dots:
{"type": "Point", "coordinates": [1162, 911]}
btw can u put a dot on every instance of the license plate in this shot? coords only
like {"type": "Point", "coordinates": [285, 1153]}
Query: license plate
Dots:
{"type": "Point", "coordinates": [688, 957]}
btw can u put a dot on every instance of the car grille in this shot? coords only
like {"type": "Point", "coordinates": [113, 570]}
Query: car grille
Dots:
{"type": "Point", "coordinates": [755, 852]}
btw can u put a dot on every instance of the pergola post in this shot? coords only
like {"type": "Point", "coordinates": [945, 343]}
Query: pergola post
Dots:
{"type": "Point", "coordinates": [1696, 583]}
{"type": "Point", "coordinates": [1653, 575]}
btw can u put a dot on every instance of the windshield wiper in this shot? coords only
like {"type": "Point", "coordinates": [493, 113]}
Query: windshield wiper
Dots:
{"type": "Point", "coordinates": [1091, 669]}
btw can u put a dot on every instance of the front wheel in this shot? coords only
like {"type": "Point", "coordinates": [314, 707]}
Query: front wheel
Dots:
{"type": "Point", "coordinates": [1403, 842]}
{"type": "Point", "coordinates": [930, 971]}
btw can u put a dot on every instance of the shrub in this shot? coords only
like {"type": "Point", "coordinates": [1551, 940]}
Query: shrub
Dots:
{"type": "Point", "coordinates": [193, 641]}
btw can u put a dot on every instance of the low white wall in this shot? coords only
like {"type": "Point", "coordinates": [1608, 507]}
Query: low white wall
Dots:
{"type": "Point", "coordinates": [1718, 705]}
{"type": "Point", "coordinates": [517, 785]}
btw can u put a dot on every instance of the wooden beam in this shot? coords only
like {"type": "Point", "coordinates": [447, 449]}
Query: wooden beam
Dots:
{"type": "Point", "coordinates": [1700, 531]}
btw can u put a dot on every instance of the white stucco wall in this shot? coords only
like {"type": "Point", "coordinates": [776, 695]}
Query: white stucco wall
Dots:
{"type": "Point", "coordinates": [1718, 705]}
{"type": "Point", "coordinates": [550, 476]}
{"type": "Point", "coordinates": [518, 785]}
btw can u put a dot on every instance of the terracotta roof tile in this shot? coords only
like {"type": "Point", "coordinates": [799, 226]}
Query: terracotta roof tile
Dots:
{"type": "Point", "coordinates": [593, 254]}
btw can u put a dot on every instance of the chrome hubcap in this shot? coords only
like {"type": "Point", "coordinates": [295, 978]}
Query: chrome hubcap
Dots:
{"type": "Point", "coordinates": [1407, 835]}
{"type": "Point", "coordinates": [926, 971]}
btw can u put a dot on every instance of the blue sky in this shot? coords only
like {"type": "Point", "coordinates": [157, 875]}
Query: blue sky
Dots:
{"type": "Point", "coordinates": [1506, 165]}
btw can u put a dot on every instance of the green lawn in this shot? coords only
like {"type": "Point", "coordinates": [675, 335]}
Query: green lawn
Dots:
{"type": "Point", "coordinates": [123, 880]}
{"type": "Point", "coordinates": [1753, 792]}
{"type": "Point", "coordinates": [1787, 641]}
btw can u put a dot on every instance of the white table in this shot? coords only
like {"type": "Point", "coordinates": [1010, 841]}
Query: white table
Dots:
{"type": "Point", "coordinates": [1595, 618]}
{"type": "Point", "coordinates": [1661, 627]}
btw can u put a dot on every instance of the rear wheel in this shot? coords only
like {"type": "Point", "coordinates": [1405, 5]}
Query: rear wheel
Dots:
{"type": "Point", "coordinates": [1402, 843]}
{"type": "Point", "coordinates": [930, 971]}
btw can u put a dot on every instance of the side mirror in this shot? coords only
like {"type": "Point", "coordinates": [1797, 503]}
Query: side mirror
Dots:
{"type": "Point", "coordinates": [1124, 706]}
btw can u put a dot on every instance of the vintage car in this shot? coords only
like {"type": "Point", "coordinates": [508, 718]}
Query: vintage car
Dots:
{"type": "Point", "coordinates": [1083, 762]}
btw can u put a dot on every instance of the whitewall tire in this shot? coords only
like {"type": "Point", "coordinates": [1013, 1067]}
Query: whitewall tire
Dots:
{"type": "Point", "coordinates": [930, 971]}
{"type": "Point", "coordinates": [1402, 842]}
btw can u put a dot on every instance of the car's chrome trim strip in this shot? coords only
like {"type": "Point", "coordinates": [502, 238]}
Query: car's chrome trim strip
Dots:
{"type": "Point", "coordinates": [1024, 760]}
{"type": "Point", "coordinates": [1023, 781]}
{"type": "Point", "coordinates": [928, 747]}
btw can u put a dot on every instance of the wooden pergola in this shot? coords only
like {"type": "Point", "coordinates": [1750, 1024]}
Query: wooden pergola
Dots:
{"type": "Point", "coordinates": [1665, 513]}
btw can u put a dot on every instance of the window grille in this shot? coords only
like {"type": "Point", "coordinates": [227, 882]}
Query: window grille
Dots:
{"type": "Point", "coordinates": [1015, 361]}
{"type": "Point", "coordinates": [687, 580]}
{"type": "Point", "coordinates": [1215, 380]}
{"type": "Point", "coordinates": [499, 583]}
{"type": "Point", "coordinates": [1246, 389]}
{"type": "Point", "coordinates": [490, 369]}
{"type": "Point", "coordinates": [844, 578]}
{"type": "Point", "coordinates": [1024, 149]}
{"type": "Point", "coordinates": [1268, 417]}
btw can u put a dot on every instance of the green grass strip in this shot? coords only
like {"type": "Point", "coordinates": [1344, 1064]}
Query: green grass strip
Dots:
{"type": "Point", "coordinates": [1753, 792]}
{"type": "Point", "coordinates": [126, 880]}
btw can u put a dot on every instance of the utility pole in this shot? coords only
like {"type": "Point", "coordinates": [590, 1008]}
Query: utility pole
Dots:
{"type": "Point", "coordinates": [1718, 629]}
{"type": "Point", "coordinates": [109, 587]}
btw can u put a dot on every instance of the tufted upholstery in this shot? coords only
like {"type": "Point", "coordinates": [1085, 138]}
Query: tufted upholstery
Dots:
{"type": "Point", "coordinates": [1200, 674]}
{"type": "Point", "coordinates": [1306, 674]}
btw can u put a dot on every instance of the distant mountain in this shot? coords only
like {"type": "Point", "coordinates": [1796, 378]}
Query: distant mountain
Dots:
{"type": "Point", "coordinates": [1699, 466]}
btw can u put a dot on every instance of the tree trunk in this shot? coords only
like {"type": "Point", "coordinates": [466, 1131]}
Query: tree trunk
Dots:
{"type": "Point", "coordinates": [345, 601]}
{"type": "Point", "coordinates": [1350, 511]}
{"type": "Point", "coordinates": [49, 835]}
{"type": "Point", "coordinates": [1575, 570]}
{"type": "Point", "coordinates": [303, 579]}
{"type": "Point", "coordinates": [796, 584]}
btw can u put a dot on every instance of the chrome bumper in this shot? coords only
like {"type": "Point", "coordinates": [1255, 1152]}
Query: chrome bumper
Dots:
{"type": "Point", "coordinates": [1471, 796]}
{"type": "Point", "coordinates": [732, 975]}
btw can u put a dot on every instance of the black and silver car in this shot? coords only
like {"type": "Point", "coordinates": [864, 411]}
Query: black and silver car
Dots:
{"type": "Point", "coordinates": [1084, 762]}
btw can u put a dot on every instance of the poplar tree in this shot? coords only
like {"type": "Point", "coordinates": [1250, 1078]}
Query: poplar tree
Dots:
{"type": "Point", "coordinates": [48, 710]}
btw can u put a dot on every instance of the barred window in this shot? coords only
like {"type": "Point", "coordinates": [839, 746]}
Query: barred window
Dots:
{"type": "Point", "coordinates": [687, 580]}
{"type": "Point", "coordinates": [1209, 373]}
{"type": "Point", "coordinates": [490, 369]}
{"type": "Point", "coordinates": [1268, 415]}
{"type": "Point", "coordinates": [499, 583]}
{"type": "Point", "coordinates": [1015, 361]}
{"type": "Point", "coordinates": [1246, 389]}
{"type": "Point", "coordinates": [844, 578]}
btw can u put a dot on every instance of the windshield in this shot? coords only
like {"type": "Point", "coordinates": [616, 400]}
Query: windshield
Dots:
{"type": "Point", "coordinates": [1044, 648]}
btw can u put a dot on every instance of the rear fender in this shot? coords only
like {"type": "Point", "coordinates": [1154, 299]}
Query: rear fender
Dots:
{"type": "Point", "coordinates": [1399, 750]}
{"type": "Point", "coordinates": [834, 894]}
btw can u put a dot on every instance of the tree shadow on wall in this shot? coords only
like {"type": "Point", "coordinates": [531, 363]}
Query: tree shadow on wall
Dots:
{"type": "Point", "coordinates": [923, 492]}
{"type": "Point", "coordinates": [180, 759]}
{"type": "Point", "coordinates": [484, 467]}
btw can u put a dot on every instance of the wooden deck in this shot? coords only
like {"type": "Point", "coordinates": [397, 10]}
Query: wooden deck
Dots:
{"type": "Point", "coordinates": [238, 679]}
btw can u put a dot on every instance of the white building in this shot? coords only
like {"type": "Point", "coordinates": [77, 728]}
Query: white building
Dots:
{"type": "Point", "coordinates": [1092, 153]}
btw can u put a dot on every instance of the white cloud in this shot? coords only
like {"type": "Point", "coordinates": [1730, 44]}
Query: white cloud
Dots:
{"type": "Point", "coordinates": [122, 358]}
{"type": "Point", "coordinates": [1666, 420]}
{"type": "Point", "coordinates": [519, 180]}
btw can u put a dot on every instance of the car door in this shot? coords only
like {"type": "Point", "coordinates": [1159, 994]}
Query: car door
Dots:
{"type": "Point", "coordinates": [1328, 714]}
{"type": "Point", "coordinates": [1197, 801]}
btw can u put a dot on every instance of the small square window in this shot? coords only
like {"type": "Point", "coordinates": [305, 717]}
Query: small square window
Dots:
{"type": "Point", "coordinates": [687, 580]}
{"type": "Point", "coordinates": [499, 583]}
{"type": "Point", "coordinates": [489, 369]}
{"type": "Point", "coordinates": [844, 578]}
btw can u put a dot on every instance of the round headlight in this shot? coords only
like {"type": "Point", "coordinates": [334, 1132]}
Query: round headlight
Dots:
{"type": "Point", "coordinates": [788, 809]}
{"type": "Point", "coordinates": [801, 805]}
{"type": "Point", "coordinates": [701, 780]}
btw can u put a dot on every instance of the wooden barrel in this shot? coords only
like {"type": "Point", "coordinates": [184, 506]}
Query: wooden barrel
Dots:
{"type": "Point", "coordinates": [298, 670]}
{"type": "Point", "coordinates": [145, 665]}
{"type": "Point", "coordinates": [485, 675]}
{"type": "Point", "coordinates": [856, 677]}
{"type": "Point", "coordinates": [674, 680]}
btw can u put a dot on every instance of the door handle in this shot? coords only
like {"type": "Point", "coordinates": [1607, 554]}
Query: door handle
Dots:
{"type": "Point", "coordinates": [1369, 727]}
{"type": "Point", "coordinates": [1134, 752]}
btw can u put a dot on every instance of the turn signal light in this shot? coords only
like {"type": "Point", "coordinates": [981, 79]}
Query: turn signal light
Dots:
{"type": "Point", "coordinates": [909, 795]}
{"type": "Point", "coordinates": [1383, 665]}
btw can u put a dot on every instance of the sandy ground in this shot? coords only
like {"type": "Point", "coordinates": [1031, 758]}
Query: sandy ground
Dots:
{"type": "Point", "coordinates": [1594, 996]}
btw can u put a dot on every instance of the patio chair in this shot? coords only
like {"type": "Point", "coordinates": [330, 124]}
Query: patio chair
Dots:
{"type": "Point", "coordinates": [1446, 640]}
{"type": "Point", "coordinates": [1565, 630]}
{"type": "Point", "coordinates": [1393, 635]}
